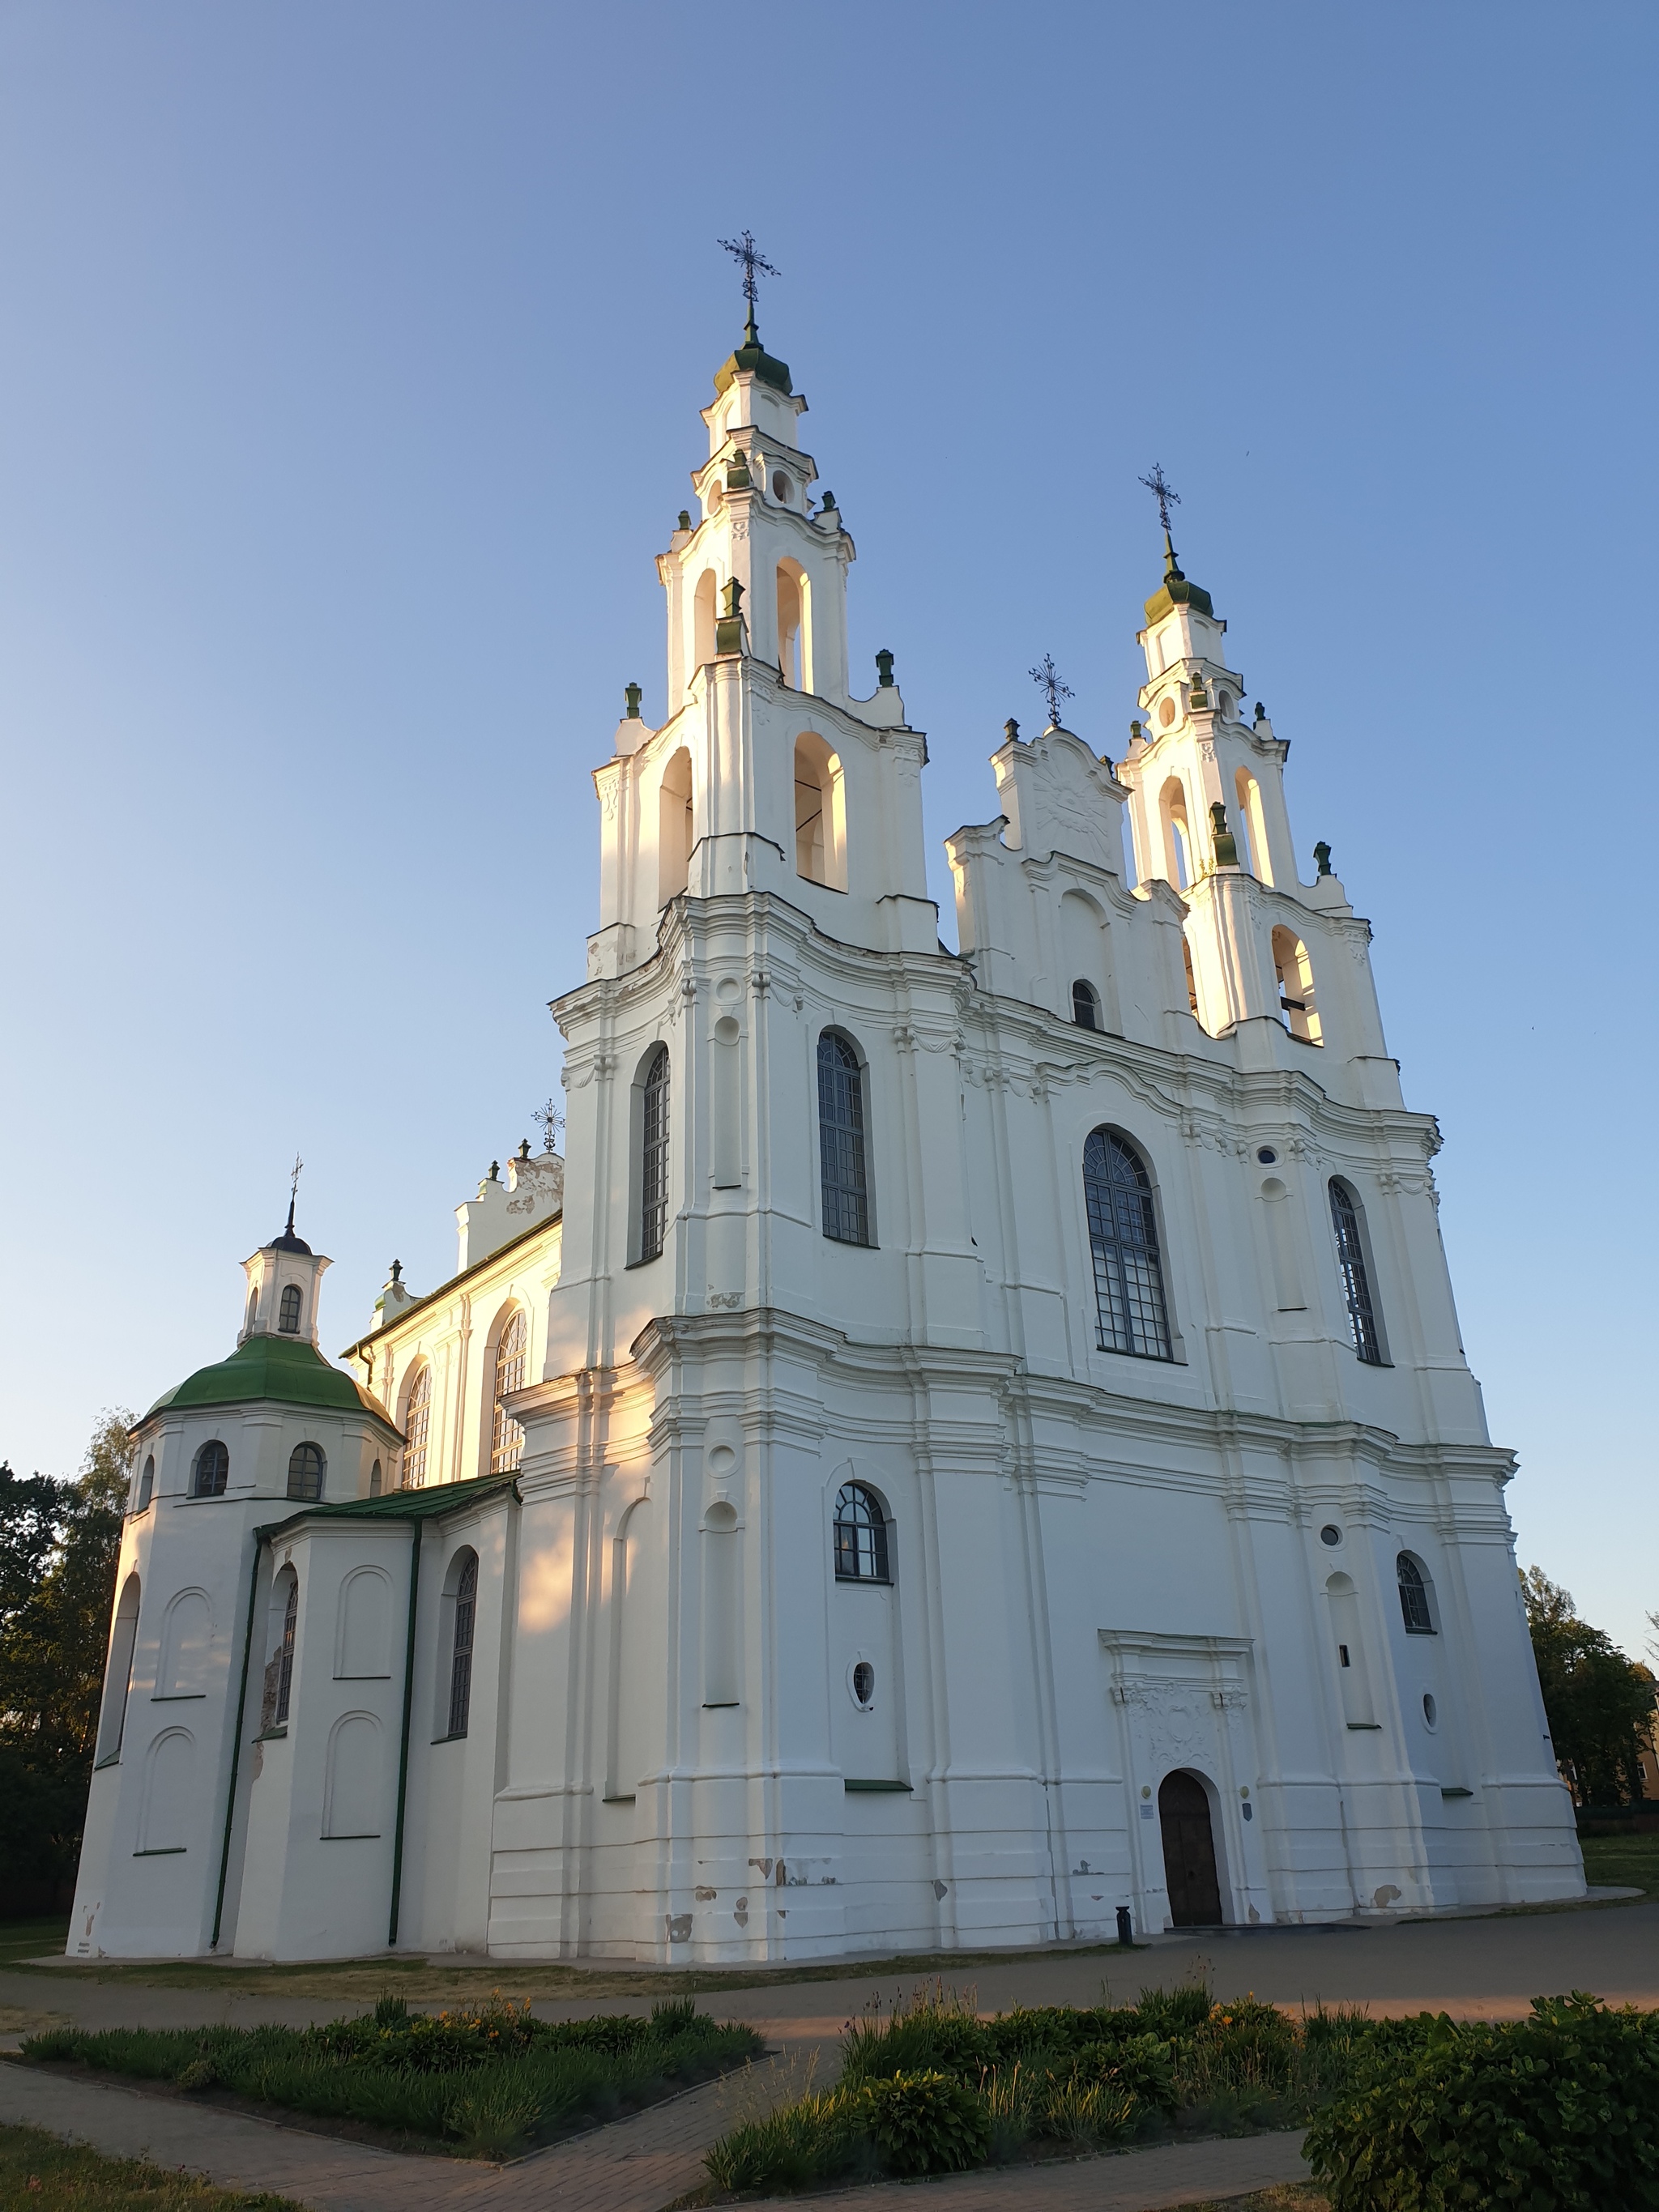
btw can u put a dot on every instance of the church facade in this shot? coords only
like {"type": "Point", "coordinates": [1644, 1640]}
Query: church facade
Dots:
{"type": "Point", "coordinates": [969, 1443]}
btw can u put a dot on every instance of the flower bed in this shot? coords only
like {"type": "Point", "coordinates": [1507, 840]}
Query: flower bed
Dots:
{"type": "Point", "coordinates": [1559, 2112]}
{"type": "Point", "coordinates": [483, 2082]}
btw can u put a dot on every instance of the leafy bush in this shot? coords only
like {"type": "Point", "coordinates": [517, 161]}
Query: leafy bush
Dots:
{"type": "Point", "coordinates": [481, 2079]}
{"type": "Point", "coordinates": [937, 2032]}
{"type": "Point", "coordinates": [1556, 2113]}
{"type": "Point", "coordinates": [925, 2123]}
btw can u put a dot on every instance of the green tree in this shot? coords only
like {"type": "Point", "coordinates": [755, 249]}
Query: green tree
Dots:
{"type": "Point", "coordinates": [1598, 1703]}
{"type": "Point", "coordinates": [59, 1544]}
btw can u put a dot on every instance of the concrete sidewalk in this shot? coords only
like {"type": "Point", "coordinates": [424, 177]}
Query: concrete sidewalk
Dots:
{"type": "Point", "coordinates": [637, 2165]}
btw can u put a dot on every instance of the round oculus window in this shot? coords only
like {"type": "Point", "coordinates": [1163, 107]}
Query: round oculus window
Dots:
{"type": "Point", "coordinates": [1266, 1155]}
{"type": "Point", "coordinates": [1330, 1533]}
{"type": "Point", "coordinates": [1166, 712]}
{"type": "Point", "coordinates": [780, 487]}
{"type": "Point", "coordinates": [864, 1682]}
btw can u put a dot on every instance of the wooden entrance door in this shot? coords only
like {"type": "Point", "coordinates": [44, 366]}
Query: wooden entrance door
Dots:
{"type": "Point", "coordinates": [1189, 1872]}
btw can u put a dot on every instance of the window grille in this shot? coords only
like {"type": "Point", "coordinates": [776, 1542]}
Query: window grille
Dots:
{"type": "Point", "coordinates": [860, 1536]}
{"type": "Point", "coordinates": [654, 1157]}
{"type": "Point", "coordinates": [1086, 1005]}
{"type": "Point", "coordinates": [460, 1664]}
{"type": "Point", "coordinates": [289, 1323]}
{"type": "Point", "coordinates": [304, 1473]}
{"type": "Point", "coordinates": [417, 1418]}
{"type": "Point", "coordinates": [1356, 1283]}
{"type": "Point", "coordinates": [1129, 1300]}
{"type": "Point", "coordinates": [1414, 1597]}
{"type": "Point", "coordinates": [212, 1470]}
{"type": "Point", "coordinates": [285, 1658]}
{"type": "Point", "coordinates": [507, 1438]}
{"type": "Point", "coordinates": [841, 1141]}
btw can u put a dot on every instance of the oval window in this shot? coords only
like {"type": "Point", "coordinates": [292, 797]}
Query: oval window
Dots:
{"type": "Point", "coordinates": [1166, 712]}
{"type": "Point", "coordinates": [864, 1682]}
{"type": "Point", "coordinates": [1431, 1710]}
{"type": "Point", "coordinates": [780, 487]}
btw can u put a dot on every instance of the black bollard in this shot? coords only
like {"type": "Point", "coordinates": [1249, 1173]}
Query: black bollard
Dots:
{"type": "Point", "coordinates": [1126, 1930]}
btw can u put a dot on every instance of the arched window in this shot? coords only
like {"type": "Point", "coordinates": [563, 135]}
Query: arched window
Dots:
{"type": "Point", "coordinates": [674, 837]}
{"type": "Point", "coordinates": [1249, 819]}
{"type": "Point", "coordinates": [794, 628]}
{"type": "Point", "coordinates": [1178, 864]}
{"type": "Point", "coordinates": [860, 1536]}
{"type": "Point", "coordinates": [703, 616]}
{"type": "Point", "coordinates": [841, 1141]}
{"type": "Point", "coordinates": [820, 814]}
{"type": "Point", "coordinates": [289, 1324]}
{"type": "Point", "coordinates": [1414, 1597]}
{"type": "Point", "coordinates": [1129, 1298]}
{"type": "Point", "coordinates": [285, 1653]}
{"type": "Point", "coordinates": [305, 1465]}
{"type": "Point", "coordinates": [506, 1437]}
{"type": "Point", "coordinates": [1085, 1005]}
{"type": "Point", "coordinates": [1296, 986]}
{"type": "Point", "coordinates": [417, 1415]}
{"type": "Point", "coordinates": [1356, 1283]}
{"type": "Point", "coordinates": [460, 1647]}
{"type": "Point", "coordinates": [376, 1480]}
{"type": "Point", "coordinates": [147, 1482]}
{"type": "Point", "coordinates": [212, 1471]}
{"type": "Point", "coordinates": [654, 1155]}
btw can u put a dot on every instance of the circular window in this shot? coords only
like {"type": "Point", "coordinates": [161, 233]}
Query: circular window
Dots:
{"type": "Point", "coordinates": [864, 1682]}
{"type": "Point", "coordinates": [1166, 712]}
{"type": "Point", "coordinates": [1431, 1710]}
{"type": "Point", "coordinates": [1267, 1156]}
{"type": "Point", "coordinates": [780, 487]}
{"type": "Point", "coordinates": [1330, 1533]}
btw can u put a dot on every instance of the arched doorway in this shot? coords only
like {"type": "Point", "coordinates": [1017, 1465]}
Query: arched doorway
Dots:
{"type": "Point", "coordinates": [1189, 1870]}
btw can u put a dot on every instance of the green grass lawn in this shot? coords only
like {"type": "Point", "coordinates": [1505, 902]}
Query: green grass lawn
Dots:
{"type": "Point", "coordinates": [38, 2173]}
{"type": "Point", "coordinates": [31, 1939]}
{"type": "Point", "coordinates": [1622, 1862]}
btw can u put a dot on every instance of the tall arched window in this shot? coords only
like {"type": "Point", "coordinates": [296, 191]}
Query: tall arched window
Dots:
{"type": "Point", "coordinates": [147, 1482]}
{"type": "Point", "coordinates": [506, 1437]}
{"type": "Point", "coordinates": [674, 828]}
{"type": "Point", "coordinates": [285, 1652]}
{"type": "Point", "coordinates": [702, 621]}
{"type": "Point", "coordinates": [376, 1480]}
{"type": "Point", "coordinates": [1413, 1596]}
{"type": "Point", "coordinates": [1249, 818]}
{"type": "Point", "coordinates": [460, 1647]}
{"type": "Point", "coordinates": [1295, 987]}
{"type": "Point", "coordinates": [1178, 861]}
{"type": "Point", "coordinates": [1356, 1283]}
{"type": "Point", "coordinates": [841, 1141]}
{"type": "Point", "coordinates": [212, 1471]}
{"type": "Point", "coordinates": [791, 624]}
{"type": "Point", "coordinates": [1129, 1299]}
{"type": "Point", "coordinates": [1085, 1005]}
{"type": "Point", "coordinates": [654, 1155]}
{"type": "Point", "coordinates": [860, 1536]}
{"type": "Point", "coordinates": [417, 1416]}
{"type": "Point", "coordinates": [820, 813]}
{"type": "Point", "coordinates": [289, 1319]}
{"type": "Point", "coordinates": [306, 1466]}
{"type": "Point", "coordinates": [118, 1676]}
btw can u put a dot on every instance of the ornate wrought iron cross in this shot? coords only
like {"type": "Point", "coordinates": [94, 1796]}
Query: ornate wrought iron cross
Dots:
{"type": "Point", "coordinates": [754, 262]}
{"type": "Point", "coordinates": [293, 1181]}
{"type": "Point", "coordinates": [1162, 491]}
{"type": "Point", "coordinates": [1046, 676]}
{"type": "Point", "coordinates": [550, 1121]}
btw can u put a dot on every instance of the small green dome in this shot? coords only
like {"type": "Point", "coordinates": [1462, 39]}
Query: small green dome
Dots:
{"type": "Point", "coordinates": [1176, 591]}
{"type": "Point", "coordinates": [752, 359]}
{"type": "Point", "coordinates": [287, 1369]}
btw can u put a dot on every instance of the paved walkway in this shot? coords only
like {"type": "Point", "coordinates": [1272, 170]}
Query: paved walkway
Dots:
{"type": "Point", "coordinates": [634, 2166]}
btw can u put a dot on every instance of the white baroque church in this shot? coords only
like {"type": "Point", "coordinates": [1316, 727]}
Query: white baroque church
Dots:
{"type": "Point", "coordinates": [970, 1443]}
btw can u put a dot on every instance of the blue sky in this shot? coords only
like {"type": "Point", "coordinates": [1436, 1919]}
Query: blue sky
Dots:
{"type": "Point", "coordinates": [348, 375]}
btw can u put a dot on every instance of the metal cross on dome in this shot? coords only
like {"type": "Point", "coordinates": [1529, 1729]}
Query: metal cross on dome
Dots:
{"type": "Point", "coordinates": [1162, 491]}
{"type": "Point", "coordinates": [550, 1121]}
{"type": "Point", "coordinates": [755, 264]}
{"type": "Point", "coordinates": [1046, 676]}
{"type": "Point", "coordinates": [293, 1182]}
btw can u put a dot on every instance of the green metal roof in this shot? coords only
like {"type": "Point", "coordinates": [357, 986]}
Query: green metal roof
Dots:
{"type": "Point", "coordinates": [287, 1369]}
{"type": "Point", "coordinates": [1176, 591]}
{"type": "Point", "coordinates": [402, 1505]}
{"type": "Point", "coordinates": [752, 358]}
